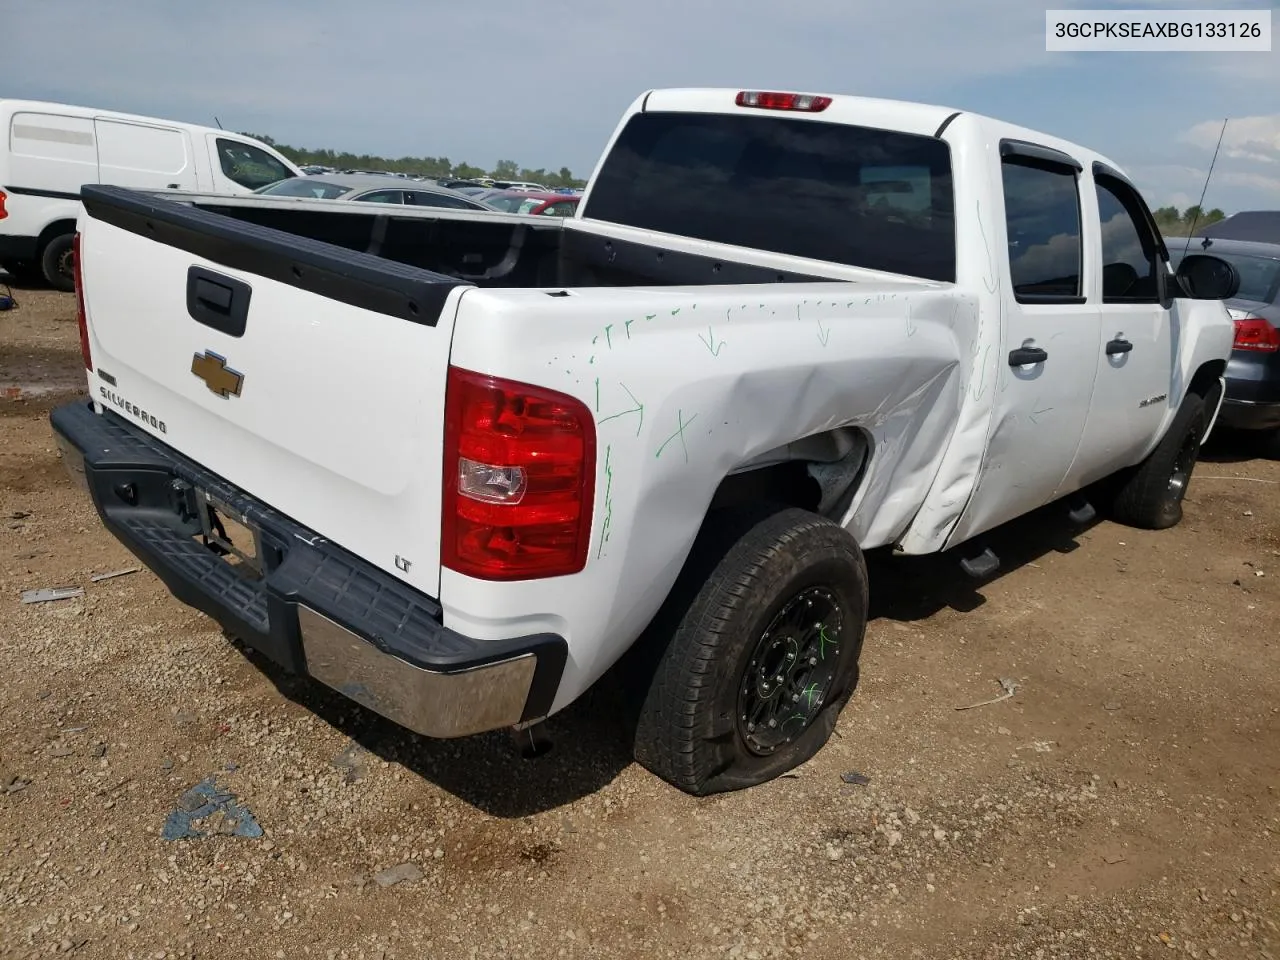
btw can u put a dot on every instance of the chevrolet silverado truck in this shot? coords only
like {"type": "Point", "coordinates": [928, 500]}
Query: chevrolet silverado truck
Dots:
{"type": "Point", "coordinates": [455, 464]}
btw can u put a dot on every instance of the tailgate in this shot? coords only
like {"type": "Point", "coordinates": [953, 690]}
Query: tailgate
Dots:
{"type": "Point", "coordinates": [311, 377]}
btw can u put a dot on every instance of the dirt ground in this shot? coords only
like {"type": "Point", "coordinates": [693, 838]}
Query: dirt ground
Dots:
{"type": "Point", "coordinates": [1123, 803]}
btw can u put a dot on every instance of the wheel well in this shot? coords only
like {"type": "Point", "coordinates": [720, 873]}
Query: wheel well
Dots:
{"type": "Point", "coordinates": [787, 483]}
{"type": "Point", "coordinates": [1206, 379]}
{"type": "Point", "coordinates": [55, 229]}
{"type": "Point", "coordinates": [820, 474]}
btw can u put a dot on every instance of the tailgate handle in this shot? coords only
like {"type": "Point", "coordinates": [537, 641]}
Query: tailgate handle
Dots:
{"type": "Point", "coordinates": [218, 301]}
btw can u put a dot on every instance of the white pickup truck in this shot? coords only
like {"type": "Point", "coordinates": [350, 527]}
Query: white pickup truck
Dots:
{"type": "Point", "coordinates": [454, 464]}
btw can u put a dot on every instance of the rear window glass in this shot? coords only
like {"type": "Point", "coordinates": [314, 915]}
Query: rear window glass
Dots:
{"type": "Point", "coordinates": [851, 195]}
{"type": "Point", "coordinates": [305, 187]}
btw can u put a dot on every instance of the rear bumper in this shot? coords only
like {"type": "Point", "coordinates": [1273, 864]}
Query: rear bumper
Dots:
{"type": "Point", "coordinates": [1249, 415]}
{"type": "Point", "coordinates": [316, 609]}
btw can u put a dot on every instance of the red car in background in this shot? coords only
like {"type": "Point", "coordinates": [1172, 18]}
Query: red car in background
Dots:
{"type": "Point", "coordinates": [537, 204]}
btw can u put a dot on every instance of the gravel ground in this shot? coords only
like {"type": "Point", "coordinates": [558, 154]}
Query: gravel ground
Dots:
{"type": "Point", "coordinates": [1123, 803]}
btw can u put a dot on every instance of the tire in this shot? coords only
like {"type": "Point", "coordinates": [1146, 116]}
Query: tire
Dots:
{"type": "Point", "coordinates": [1150, 495]}
{"type": "Point", "coordinates": [710, 719]}
{"type": "Point", "coordinates": [55, 263]}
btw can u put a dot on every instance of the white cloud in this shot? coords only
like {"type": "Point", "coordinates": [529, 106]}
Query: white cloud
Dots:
{"type": "Point", "coordinates": [1245, 138]}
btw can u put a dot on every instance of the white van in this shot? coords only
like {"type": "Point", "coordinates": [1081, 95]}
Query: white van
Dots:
{"type": "Point", "coordinates": [51, 149]}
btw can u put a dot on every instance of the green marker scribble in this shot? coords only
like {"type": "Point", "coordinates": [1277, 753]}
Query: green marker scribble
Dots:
{"type": "Point", "coordinates": [592, 359]}
{"type": "Point", "coordinates": [608, 500]}
{"type": "Point", "coordinates": [597, 394]}
{"type": "Point", "coordinates": [595, 339]}
{"type": "Point", "coordinates": [638, 408]}
{"type": "Point", "coordinates": [683, 425]}
{"type": "Point", "coordinates": [710, 342]}
{"type": "Point", "coordinates": [794, 716]}
{"type": "Point", "coordinates": [823, 640]}
{"type": "Point", "coordinates": [675, 311]}
{"type": "Point", "coordinates": [627, 328]}
{"type": "Point", "coordinates": [650, 316]}
{"type": "Point", "coordinates": [608, 339]}
{"type": "Point", "coordinates": [809, 693]}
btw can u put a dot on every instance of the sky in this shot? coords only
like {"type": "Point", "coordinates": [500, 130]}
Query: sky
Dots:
{"type": "Point", "coordinates": [545, 84]}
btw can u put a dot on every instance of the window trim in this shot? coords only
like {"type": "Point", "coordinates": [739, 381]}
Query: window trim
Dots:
{"type": "Point", "coordinates": [1051, 161]}
{"type": "Point", "coordinates": [1034, 151]}
{"type": "Point", "coordinates": [1107, 172]}
{"type": "Point", "coordinates": [1130, 200]}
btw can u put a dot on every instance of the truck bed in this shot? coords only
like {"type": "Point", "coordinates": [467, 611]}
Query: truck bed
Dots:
{"type": "Point", "coordinates": [404, 261]}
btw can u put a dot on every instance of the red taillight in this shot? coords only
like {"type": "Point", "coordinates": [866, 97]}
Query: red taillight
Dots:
{"type": "Point", "coordinates": [81, 318]}
{"type": "Point", "coordinates": [1254, 333]}
{"type": "Point", "coordinates": [3, 197]}
{"type": "Point", "coordinates": [519, 477]}
{"type": "Point", "coordinates": [783, 101]}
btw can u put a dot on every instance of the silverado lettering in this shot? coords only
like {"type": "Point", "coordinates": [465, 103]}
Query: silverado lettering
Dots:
{"type": "Point", "coordinates": [131, 408]}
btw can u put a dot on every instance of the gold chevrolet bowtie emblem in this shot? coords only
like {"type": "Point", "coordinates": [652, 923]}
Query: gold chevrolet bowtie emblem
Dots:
{"type": "Point", "coordinates": [219, 378]}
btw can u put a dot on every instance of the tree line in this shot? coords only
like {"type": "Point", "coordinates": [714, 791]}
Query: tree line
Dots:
{"type": "Point", "coordinates": [1173, 223]}
{"type": "Point", "coordinates": [434, 167]}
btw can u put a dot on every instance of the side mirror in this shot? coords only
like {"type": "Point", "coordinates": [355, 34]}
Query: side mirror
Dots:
{"type": "Point", "coordinates": [1205, 277]}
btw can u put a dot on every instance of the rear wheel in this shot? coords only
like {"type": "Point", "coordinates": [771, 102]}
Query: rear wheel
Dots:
{"type": "Point", "coordinates": [766, 627]}
{"type": "Point", "coordinates": [57, 264]}
{"type": "Point", "coordinates": [1150, 495]}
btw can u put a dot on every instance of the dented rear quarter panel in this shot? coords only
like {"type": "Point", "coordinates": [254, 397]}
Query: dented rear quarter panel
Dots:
{"type": "Point", "coordinates": [685, 384]}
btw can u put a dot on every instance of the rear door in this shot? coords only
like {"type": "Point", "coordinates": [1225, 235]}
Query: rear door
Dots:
{"type": "Point", "coordinates": [1051, 335]}
{"type": "Point", "coordinates": [327, 408]}
{"type": "Point", "coordinates": [145, 156]}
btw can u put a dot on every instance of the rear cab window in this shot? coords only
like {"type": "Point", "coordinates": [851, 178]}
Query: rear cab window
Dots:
{"type": "Point", "coordinates": [846, 194]}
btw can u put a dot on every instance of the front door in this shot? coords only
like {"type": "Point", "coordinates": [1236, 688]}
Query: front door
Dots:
{"type": "Point", "coordinates": [1051, 335]}
{"type": "Point", "coordinates": [1136, 350]}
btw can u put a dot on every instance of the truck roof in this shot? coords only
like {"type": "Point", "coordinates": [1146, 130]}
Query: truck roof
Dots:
{"type": "Point", "coordinates": [907, 116]}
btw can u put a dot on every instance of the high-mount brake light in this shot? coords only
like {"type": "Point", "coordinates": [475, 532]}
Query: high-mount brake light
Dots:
{"type": "Point", "coordinates": [519, 478]}
{"type": "Point", "coordinates": [1256, 334]}
{"type": "Point", "coordinates": [802, 102]}
{"type": "Point", "coordinates": [82, 318]}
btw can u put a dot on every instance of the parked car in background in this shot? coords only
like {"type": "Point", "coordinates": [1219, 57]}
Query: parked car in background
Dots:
{"type": "Point", "coordinates": [48, 151]}
{"type": "Point", "coordinates": [1252, 399]}
{"type": "Point", "coordinates": [536, 204]}
{"type": "Point", "coordinates": [371, 188]}
{"type": "Point", "coordinates": [522, 185]}
{"type": "Point", "coordinates": [1261, 226]}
